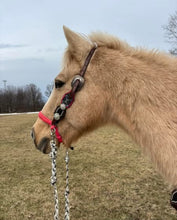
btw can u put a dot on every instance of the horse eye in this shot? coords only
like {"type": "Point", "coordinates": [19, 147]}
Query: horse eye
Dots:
{"type": "Point", "coordinates": [59, 84]}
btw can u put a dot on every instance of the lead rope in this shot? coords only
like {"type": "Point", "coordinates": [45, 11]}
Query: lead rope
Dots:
{"type": "Point", "coordinates": [67, 188]}
{"type": "Point", "coordinates": [53, 155]}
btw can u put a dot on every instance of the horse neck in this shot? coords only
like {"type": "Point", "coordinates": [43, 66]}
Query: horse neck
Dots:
{"type": "Point", "coordinates": [123, 80]}
{"type": "Point", "coordinates": [133, 86]}
{"type": "Point", "coordinates": [138, 100]}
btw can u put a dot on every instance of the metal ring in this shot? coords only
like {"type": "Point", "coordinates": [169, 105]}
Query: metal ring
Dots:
{"type": "Point", "coordinates": [81, 81]}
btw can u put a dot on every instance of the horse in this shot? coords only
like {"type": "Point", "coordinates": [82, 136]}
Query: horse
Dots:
{"type": "Point", "coordinates": [133, 88]}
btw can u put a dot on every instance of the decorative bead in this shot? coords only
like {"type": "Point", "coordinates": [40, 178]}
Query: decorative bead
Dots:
{"type": "Point", "coordinates": [56, 116]}
{"type": "Point", "coordinates": [63, 106]}
{"type": "Point", "coordinates": [67, 157]}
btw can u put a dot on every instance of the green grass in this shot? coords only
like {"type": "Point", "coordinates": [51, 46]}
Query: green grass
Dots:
{"type": "Point", "coordinates": [109, 178]}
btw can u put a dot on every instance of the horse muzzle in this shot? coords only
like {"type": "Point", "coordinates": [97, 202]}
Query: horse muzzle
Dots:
{"type": "Point", "coordinates": [44, 144]}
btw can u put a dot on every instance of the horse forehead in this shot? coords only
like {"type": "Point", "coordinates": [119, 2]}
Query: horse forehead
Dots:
{"type": "Point", "coordinates": [69, 70]}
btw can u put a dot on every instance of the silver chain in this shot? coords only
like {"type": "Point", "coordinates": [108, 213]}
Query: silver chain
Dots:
{"type": "Point", "coordinates": [53, 155]}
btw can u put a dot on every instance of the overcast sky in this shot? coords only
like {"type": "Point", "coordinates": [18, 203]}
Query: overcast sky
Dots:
{"type": "Point", "coordinates": [32, 40]}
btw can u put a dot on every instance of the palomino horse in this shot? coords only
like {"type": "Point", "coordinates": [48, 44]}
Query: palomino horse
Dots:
{"type": "Point", "coordinates": [129, 87]}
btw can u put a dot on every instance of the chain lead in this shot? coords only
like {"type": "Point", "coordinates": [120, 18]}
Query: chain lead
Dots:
{"type": "Point", "coordinates": [53, 155]}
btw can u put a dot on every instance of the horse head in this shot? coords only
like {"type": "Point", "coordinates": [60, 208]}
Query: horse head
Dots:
{"type": "Point", "coordinates": [89, 106]}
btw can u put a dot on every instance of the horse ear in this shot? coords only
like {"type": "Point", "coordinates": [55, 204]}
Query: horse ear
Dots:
{"type": "Point", "coordinates": [77, 44]}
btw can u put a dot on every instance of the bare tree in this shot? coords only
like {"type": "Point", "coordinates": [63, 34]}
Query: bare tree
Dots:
{"type": "Point", "coordinates": [49, 89]}
{"type": "Point", "coordinates": [21, 99]}
{"type": "Point", "coordinates": [171, 32]}
{"type": "Point", "coordinates": [35, 97]}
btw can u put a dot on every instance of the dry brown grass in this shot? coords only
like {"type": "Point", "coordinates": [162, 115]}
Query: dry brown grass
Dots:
{"type": "Point", "coordinates": [109, 178]}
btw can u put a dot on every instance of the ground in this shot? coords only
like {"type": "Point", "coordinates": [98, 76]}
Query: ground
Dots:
{"type": "Point", "coordinates": [109, 177]}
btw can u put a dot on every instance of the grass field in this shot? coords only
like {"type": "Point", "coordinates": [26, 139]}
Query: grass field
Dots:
{"type": "Point", "coordinates": [109, 178]}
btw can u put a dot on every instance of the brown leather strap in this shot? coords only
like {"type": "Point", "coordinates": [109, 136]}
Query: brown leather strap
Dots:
{"type": "Point", "coordinates": [87, 61]}
{"type": "Point", "coordinates": [84, 69]}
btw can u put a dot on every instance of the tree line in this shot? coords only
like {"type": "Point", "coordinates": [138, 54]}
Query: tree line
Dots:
{"type": "Point", "coordinates": [21, 99]}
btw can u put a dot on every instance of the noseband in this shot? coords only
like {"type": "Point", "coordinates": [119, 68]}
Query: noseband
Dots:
{"type": "Point", "coordinates": [68, 98]}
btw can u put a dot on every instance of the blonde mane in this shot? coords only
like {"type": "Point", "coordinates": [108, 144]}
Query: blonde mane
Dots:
{"type": "Point", "coordinates": [112, 42]}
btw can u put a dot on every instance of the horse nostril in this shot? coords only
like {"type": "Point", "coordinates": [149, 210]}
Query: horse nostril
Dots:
{"type": "Point", "coordinates": [33, 137]}
{"type": "Point", "coordinates": [32, 134]}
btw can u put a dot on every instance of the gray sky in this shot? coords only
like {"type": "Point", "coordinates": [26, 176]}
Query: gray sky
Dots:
{"type": "Point", "coordinates": [32, 40]}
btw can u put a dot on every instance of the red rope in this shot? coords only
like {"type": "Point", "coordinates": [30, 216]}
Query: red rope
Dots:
{"type": "Point", "coordinates": [49, 122]}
